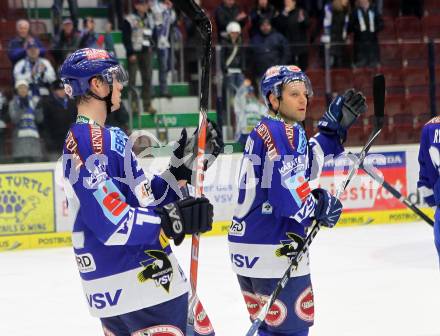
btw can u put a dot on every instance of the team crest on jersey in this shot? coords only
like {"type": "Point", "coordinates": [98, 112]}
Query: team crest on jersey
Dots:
{"type": "Point", "coordinates": [158, 268]}
{"type": "Point", "coordinates": [290, 247]}
{"type": "Point", "coordinates": [159, 330]}
{"type": "Point", "coordinates": [305, 306]}
{"type": "Point", "coordinates": [237, 228]}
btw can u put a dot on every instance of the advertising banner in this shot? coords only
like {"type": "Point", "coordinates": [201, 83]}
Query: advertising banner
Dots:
{"type": "Point", "coordinates": [27, 202]}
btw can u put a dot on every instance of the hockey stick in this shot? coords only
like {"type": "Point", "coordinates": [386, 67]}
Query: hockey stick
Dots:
{"type": "Point", "coordinates": [203, 24]}
{"type": "Point", "coordinates": [399, 196]}
{"type": "Point", "coordinates": [379, 102]}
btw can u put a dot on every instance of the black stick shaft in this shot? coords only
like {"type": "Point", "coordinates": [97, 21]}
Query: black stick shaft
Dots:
{"type": "Point", "coordinates": [393, 191]}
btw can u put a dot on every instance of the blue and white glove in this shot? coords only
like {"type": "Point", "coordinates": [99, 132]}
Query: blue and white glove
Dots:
{"type": "Point", "coordinates": [342, 113]}
{"type": "Point", "coordinates": [328, 208]}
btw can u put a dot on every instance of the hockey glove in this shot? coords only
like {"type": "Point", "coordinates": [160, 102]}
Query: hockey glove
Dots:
{"type": "Point", "coordinates": [183, 161]}
{"type": "Point", "coordinates": [187, 216]}
{"type": "Point", "coordinates": [342, 113]}
{"type": "Point", "coordinates": [328, 208]}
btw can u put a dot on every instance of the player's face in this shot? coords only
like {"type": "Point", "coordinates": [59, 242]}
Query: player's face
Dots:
{"type": "Point", "coordinates": [293, 105]}
{"type": "Point", "coordinates": [116, 95]}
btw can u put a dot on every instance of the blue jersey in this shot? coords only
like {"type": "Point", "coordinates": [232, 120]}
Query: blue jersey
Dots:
{"type": "Point", "coordinates": [123, 257]}
{"type": "Point", "coordinates": [429, 159]}
{"type": "Point", "coordinates": [275, 205]}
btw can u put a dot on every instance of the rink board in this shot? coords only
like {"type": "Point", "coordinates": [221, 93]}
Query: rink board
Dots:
{"type": "Point", "coordinates": [47, 222]}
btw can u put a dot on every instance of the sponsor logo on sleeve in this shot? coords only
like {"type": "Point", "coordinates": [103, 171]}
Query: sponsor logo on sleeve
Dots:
{"type": "Point", "coordinates": [144, 193]}
{"type": "Point", "coordinates": [85, 262]}
{"type": "Point", "coordinates": [298, 187]}
{"type": "Point", "coordinates": [265, 134]}
{"type": "Point", "coordinates": [159, 330]}
{"type": "Point", "coordinates": [304, 305]}
{"type": "Point", "coordinates": [158, 268]}
{"type": "Point", "coordinates": [237, 228]}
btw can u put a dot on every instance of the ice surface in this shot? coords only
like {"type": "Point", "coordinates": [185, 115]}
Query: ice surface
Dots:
{"type": "Point", "coordinates": [368, 281]}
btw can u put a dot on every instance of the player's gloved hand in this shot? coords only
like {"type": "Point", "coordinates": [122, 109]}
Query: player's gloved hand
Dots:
{"type": "Point", "coordinates": [328, 208]}
{"type": "Point", "coordinates": [342, 113]}
{"type": "Point", "coordinates": [183, 162]}
{"type": "Point", "coordinates": [187, 216]}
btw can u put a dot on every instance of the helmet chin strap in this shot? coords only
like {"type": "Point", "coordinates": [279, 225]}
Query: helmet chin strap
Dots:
{"type": "Point", "coordinates": [107, 99]}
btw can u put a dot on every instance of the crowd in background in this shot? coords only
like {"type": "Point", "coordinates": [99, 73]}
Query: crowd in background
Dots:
{"type": "Point", "coordinates": [272, 32]}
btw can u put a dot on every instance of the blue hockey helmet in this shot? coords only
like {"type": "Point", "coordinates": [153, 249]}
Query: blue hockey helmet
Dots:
{"type": "Point", "coordinates": [276, 76]}
{"type": "Point", "coordinates": [84, 64]}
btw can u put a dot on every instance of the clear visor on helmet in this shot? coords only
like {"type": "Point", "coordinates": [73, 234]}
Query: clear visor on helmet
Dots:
{"type": "Point", "coordinates": [301, 79]}
{"type": "Point", "coordinates": [115, 73]}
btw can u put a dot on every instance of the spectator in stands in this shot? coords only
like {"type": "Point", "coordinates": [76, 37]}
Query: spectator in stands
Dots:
{"type": "Point", "coordinates": [267, 48]}
{"type": "Point", "coordinates": [137, 36]}
{"type": "Point", "coordinates": [4, 119]}
{"type": "Point", "coordinates": [336, 20]}
{"type": "Point", "coordinates": [116, 9]}
{"type": "Point", "coordinates": [57, 9]}
{"type": "Point", "coordinates": [411, 7]}
{"type": "Point", "coordinates": [365, 23]}
{"type": "Point", "coordinates": [314, 8]}
{"type": "Point", "coordinates": [35, 70]}
{"type": "Point", "coordinates": [233, 58]}
{"type": "Point", "coordinates": [248, 111]}
{"type": "Point", "coordinates": [263, 10]}
{"type": "Point", "coordinates": [226, 12]}
{"type": "Point", "coordinates": [59, 112]}
{"type": "Point", "coordinates": [293, 23]}
{"type": "Point", "coordinates": [164, 18]}
{"type": "Point", "coordinates": [17, 46]}
{"type": "Point", "coordinates": [66, 42]}
{"type": "Point", "coordinates": [26, 145]}
{"type": "Point", "coordinates": [91, 39]}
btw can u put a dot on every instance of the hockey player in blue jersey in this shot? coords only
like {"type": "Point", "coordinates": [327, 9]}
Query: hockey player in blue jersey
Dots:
{"type": "Point", "coordinates": [276, 204]}
{"type": "Point", "coordinates": [124, 217]}
{"type": "Point", "coordinates": [429, 174]}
